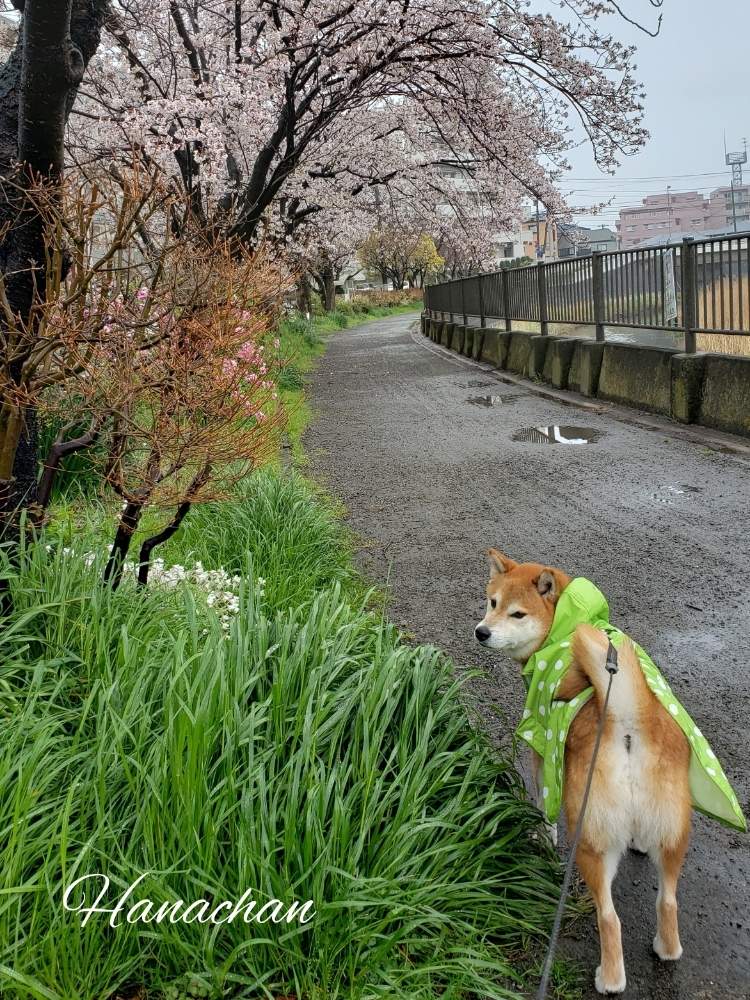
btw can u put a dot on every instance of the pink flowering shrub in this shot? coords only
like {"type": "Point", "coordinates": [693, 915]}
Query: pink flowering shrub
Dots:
{"type": "Point", "coordinates": [160, 340]}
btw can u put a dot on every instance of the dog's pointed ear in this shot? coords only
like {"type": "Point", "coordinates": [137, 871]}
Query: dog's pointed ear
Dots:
{"type": "Point", "coordinates": [550, 583]}
{"type": "Point", "coordinates": [499, 563]}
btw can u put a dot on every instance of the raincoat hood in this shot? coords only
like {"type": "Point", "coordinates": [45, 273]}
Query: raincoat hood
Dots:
{"type": "Point", "coordinates": [545, 721]}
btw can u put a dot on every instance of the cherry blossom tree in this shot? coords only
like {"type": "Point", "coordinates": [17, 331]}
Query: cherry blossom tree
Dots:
{"type": "Point", "coordinates": [249, 102]}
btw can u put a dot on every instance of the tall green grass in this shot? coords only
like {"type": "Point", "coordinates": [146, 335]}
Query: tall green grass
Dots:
{"type": "Point", "coordinates": [288, 528]}
{"type": "Point", "coordinates": [308, 755]}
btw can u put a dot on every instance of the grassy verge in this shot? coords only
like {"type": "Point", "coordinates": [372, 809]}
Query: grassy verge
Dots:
{"type": "Point", "coordinates": [255, 728]}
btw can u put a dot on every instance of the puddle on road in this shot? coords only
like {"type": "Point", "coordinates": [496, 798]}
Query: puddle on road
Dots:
{"type": "Point", "coordinates": [673, 491]}
{"type": "Point", "coordinates": [489, 401]}
{"type": "Point", "coordinates": [557, 434]}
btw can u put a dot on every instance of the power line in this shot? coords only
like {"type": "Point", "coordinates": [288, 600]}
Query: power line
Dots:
{"type": "Point", "coordinates": [634, 192]}
{"type": "Point", "coordinates": [663, 177]}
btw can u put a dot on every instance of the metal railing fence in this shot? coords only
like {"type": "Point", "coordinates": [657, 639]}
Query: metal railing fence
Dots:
{"type": "Point", "coordinates": [693, 287]}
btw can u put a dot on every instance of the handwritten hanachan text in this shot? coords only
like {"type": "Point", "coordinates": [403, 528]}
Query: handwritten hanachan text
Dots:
{"type": "Point", "coordinates": [78, 897]}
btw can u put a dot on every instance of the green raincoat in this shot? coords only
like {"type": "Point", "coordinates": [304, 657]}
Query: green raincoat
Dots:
{"type": "Point", "coordinates": [546, 722]}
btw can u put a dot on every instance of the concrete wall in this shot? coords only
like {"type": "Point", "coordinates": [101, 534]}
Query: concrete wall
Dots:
{"type": "Point", "coordinates": [468, 341]}
{"type": "Point", "coordinates": [725, 396]}
{"type": "Point", "coordinates": [585, 366]}
{"type": "Point", "coordinates": [476, 348]}
{"type": "Point", "coordinates": [708, 389]}
{"type": "Point", "coordinates": [518, 352]}
{"type": "Point", "coordinates": [446, 335]}
{"type": "Point", "coordinates": [637, 376]}
{"type": "Point", "coordinates": [459, 333]}
{"type": "Point", "coordinates": [558, 361]}
{"type": "Point", "coordinates": [495, 347]}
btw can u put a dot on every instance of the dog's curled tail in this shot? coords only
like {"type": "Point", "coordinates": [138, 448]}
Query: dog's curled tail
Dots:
{"type": "Point", "coordinates": [629, 688]}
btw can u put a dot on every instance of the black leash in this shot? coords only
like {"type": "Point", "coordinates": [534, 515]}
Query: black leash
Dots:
{"type": "Point", "coordinates": [611, 666]}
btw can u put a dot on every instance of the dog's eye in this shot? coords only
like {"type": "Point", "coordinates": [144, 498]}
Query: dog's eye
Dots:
{"type": "Point", "coordinates": [493, 603]}
{"type": "Point", "coordinates": [518, 614]}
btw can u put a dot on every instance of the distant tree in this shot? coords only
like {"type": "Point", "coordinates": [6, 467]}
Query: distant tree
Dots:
{"type": "Point", "coordinates": [400, 256]}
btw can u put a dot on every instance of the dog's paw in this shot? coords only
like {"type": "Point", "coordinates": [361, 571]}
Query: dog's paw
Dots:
{"type": "Point", "coordinates": [664, 953]}
{"type": "Point", "coordinates": [615, 985]}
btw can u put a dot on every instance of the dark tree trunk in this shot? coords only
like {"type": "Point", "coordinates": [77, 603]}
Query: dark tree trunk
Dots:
{"type": "Point", "coordinates": [304, 303]}
{"type": "Point", "coordinates": [144, 560]}
{"type": "Point", "coordinates": [59, 450]}
{"type": "Point", "coordinates": [129, 519]}
{"type": "Point", "coordinates": [38, 85]}
{"type": "Point", "coordinates": [329, 289]}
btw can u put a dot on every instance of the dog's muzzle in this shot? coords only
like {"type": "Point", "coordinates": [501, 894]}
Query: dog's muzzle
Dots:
{"type": "Point", "coordinates": [482, 633]}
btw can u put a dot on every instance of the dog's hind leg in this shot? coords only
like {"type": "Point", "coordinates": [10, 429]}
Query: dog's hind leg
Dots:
{"type": "Point", "coordinates": [667, 941]}
{"type": "Point", "coordinates": [598, 872]}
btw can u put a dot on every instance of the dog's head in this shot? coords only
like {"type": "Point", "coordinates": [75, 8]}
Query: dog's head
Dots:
{"type": "Point", "coordinates": [521, 599]}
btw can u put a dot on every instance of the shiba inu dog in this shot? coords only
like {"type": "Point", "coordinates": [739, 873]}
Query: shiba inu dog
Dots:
{"type": "Point", "coordinates": [640, 793]}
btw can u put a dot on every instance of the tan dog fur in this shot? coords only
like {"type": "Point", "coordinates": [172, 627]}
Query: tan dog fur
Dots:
{"type": "Point", "coordinates": [639, 794]}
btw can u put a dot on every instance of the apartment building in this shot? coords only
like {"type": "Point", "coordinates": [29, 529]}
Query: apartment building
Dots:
{"type": "Point", "coordinates": [688, 213]}
{"type": "Point", "coordinates": [662, 214]}
{"type": "Point", "coordinates": [721, 212]}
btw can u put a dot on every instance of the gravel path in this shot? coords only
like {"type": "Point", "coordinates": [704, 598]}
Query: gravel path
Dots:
{"type": "Point", "coordinates": [418, 444]}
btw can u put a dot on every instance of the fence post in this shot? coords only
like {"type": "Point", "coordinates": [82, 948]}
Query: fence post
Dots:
{"type": "Point", "coordinates": [597, 286]}
{"type": "Point", "coordinates": [482, 317]}
{"type": "Point", "coordinates": [688, 293]}
{"type": "Point", "coordinates": [506, 298]}
{"type": "Point", "coordinates": [542, 295]}
{"type": "Point", "coordinates": [462, 282]}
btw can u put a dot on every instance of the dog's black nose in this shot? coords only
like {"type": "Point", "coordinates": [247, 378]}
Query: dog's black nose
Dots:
{"type": "Point", "coordinates": [482, 633]}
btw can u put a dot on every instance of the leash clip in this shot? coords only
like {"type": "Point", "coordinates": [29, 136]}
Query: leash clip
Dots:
{"type": "Point", "coordinates": [611, 662]}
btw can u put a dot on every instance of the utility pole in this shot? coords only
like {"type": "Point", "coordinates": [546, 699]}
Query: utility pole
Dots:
{"type": "Point", "coordinates": [538, 223]}
{"type": "Point", "coordinates": [669, 212]}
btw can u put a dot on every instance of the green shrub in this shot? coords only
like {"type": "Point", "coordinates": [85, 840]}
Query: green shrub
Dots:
{"type": "Point", "coordinates": [339, 317]}
{"type": "Point", "coordinates": [290, 377]}
{"type": "Point", "coordinates": [296, 326]}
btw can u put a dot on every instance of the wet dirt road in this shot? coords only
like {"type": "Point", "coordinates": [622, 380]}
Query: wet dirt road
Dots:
{"type": "Point", "coordinates": [419, 445]}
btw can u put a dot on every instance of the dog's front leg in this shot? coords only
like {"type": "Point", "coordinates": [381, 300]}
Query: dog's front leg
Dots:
{"type": "Point", "coordinates": [537, 767]}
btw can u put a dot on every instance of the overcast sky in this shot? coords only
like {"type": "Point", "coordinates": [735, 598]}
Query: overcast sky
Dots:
{"type": "Point", "coordinates": [697, 79]}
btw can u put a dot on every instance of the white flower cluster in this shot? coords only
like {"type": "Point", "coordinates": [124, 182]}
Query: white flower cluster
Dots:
{"type": "Point", "coordinates": [220, 587]}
